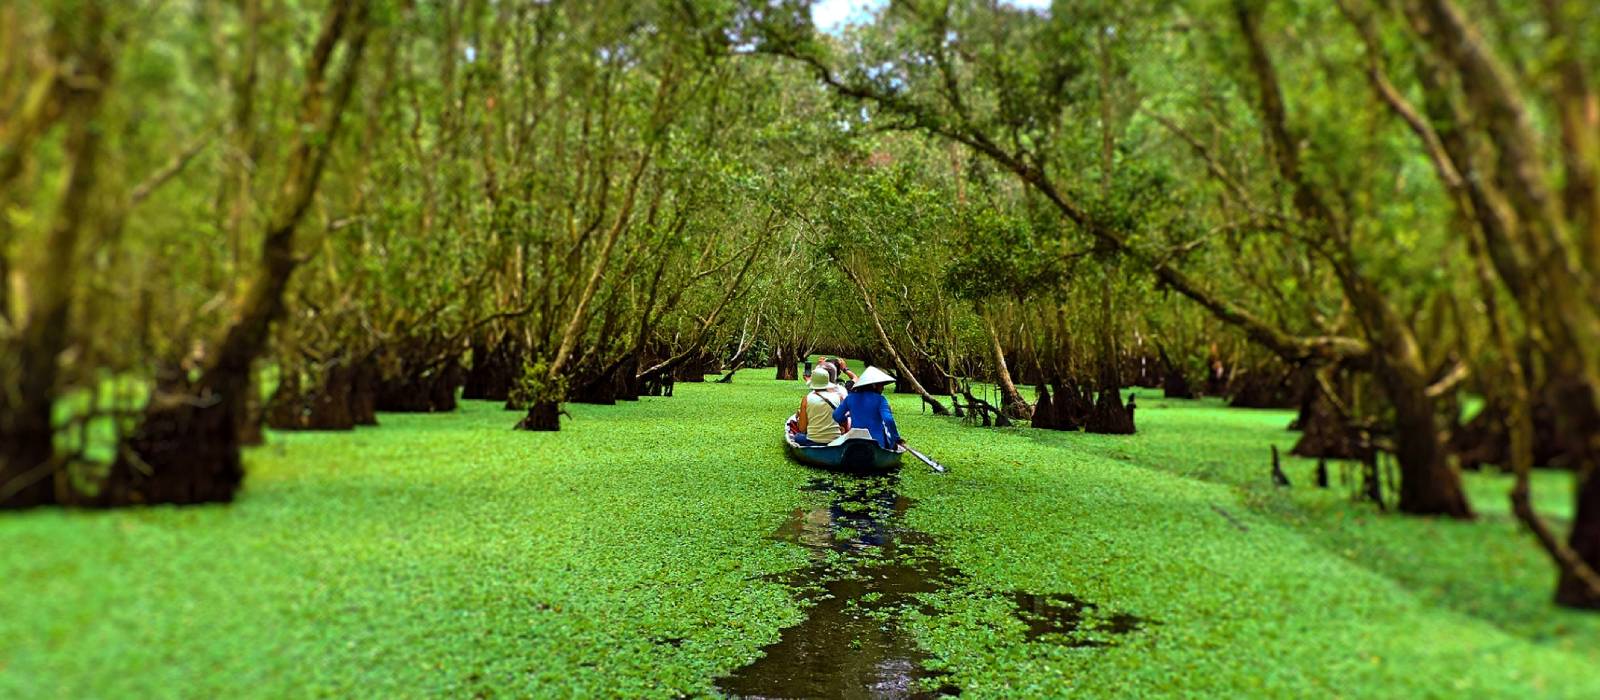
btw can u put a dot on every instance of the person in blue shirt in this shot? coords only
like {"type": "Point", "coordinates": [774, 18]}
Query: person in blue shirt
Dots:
{"type": "Point", "coordinates": [867, 408]}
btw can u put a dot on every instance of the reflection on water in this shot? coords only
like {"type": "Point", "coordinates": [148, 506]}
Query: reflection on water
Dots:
{"type": "Point", "coordinates": [867, 568]}
{"type": "Point", "coordinates": [1069, 620]}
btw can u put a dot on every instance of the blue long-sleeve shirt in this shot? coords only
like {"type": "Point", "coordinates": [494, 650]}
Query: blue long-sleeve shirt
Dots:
{"type": "Point", "coordinates": [871, 411]}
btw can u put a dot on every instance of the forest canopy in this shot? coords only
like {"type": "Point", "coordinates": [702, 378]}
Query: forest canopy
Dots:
{"type": "Point", "coordinates": [222, 216]}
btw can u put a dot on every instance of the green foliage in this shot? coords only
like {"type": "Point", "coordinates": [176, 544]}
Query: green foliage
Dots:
{"type": "Point", "coordinates": [448, 555]}
{"type": "Point", "coordinates": [1002, 257]}
{"type": "Point", "coordinates": [485, 162]}
{"type": "Point", "coordinates": [535, 385]}
{"type": "Point", "coordinates": [886, 215]}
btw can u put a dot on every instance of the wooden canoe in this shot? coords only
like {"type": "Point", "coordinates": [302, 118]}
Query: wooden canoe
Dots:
{"type": "Point", "coordinates": [855, 453]}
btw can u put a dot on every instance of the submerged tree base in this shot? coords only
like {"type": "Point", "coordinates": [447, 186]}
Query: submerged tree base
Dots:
{"type": "Point", "coordinates": [1323, 432]}
{"type": "Point", "coordinates": [1571, 591]}
{"type": "Point", "coordinates": [325, 405]}
{"type": "Point", "coordinates": [186, 451]}
{"type": "Point", "coordinates": [1062, 406]}
{"type": "Point", "coordinates": [495, 369]}
{"type": "Point", "coordinates": [542, 416]}
{"type": "Point", "coordinates": [1110, 415]}
{"type": "Point", "coordinates": [26, 469]}
{"type": "Point", "coordinates": [417, 379]}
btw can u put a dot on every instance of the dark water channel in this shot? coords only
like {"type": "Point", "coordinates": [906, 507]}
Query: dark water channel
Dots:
{"type": "Point", "coordinates": [867, 570]}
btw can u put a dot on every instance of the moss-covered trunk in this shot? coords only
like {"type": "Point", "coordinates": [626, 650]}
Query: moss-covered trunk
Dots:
{"type": "Point", "coordinates": [186, 449]}
{"type": "Point", "coordinates": [30, 370]}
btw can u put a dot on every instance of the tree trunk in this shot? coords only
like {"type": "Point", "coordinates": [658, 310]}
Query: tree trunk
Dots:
{"type": "Point", "coordinates": [628, 381]}
{"type": "Point", "coordinates": [1044, 413]}
{"type": "Point", "coordinates": [496, 364]}
{"type": "Point", "coordinates": [579, 318]}
{"type": "Point", "coordinates": [603, 387]}
{"type": "Point", "coordinates": [543, 416]}
{"type": "Point", "coordinates": [324, 405]}
{"type": "Point", "coordinates": [1429, 485]}
{"type": "Point", "coordinates": [234, 196]}
{"type": "Point", "coordinates": [249, 422]}
{"type": "Point", "coordinates": [364, 390]}
{"type": "Point", "coordinates": [1579, 584]}
{"type": "Point", "coordinates": [27, 467]}
{"type": "Point", "coordinates": [787, 371]}
{"type": "Point", "coordinates": [186, 449]}
{"type": "Point", "coordinates": [1324, 429]}
{"type": "Point", "coordinates": [1110, 416]}
{"type": "Point", "coordinates": [1573, 590]}
{"type": "Point", "coordinates": [1015, 405]}
{"type": "Point", "coordinates": [888, 347]}
{"type": "Point", "coordinates": [1174, 385]}
{"type": "Point", "coordinates": [423, 377]}
{"type": "Point", "coordinates": [543, 412]}
{"type": "Point", "coordinates": [696, 349]}
{"type": "Point", "coordinates": [1530, 251]}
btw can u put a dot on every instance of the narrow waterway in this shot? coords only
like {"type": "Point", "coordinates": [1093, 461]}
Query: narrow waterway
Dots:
{"type": "Point", "coordinates": [867, 570]}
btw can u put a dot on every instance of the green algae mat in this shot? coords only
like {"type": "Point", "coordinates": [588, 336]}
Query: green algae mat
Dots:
{"type": "Point", "coordinates": [447, 555]}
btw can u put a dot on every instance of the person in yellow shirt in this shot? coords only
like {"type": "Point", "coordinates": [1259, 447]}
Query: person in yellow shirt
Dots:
{"type": "Point", "coordinates": [814, 423]}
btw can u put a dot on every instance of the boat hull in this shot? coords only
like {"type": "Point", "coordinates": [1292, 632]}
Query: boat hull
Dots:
{"type": "Point", "coordinates": [856, 455]}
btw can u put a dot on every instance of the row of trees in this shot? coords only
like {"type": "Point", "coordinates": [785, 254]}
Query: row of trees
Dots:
{"type": "Point", "coordinates": [345, 206]}
{"type": "Point", "coordinates": [218, 215]}
{"type": "Point", "coordinates": [1395, 195]}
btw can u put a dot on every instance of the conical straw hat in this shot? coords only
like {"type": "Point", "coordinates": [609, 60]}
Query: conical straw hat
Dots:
{"type": "Point", "coordinates": [872, 376]}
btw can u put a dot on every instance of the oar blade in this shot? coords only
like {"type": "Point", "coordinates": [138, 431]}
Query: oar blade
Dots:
{"type": "Point", "coordinates": [927, 460]}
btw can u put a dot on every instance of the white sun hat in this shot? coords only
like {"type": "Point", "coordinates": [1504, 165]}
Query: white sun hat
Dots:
{"type": "Point", "coordinates": [872, 376]}
{"type": "Point", "coordinates": [820, 378]}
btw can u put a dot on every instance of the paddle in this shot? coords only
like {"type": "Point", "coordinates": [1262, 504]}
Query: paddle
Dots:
{"type": "Point", "coordinates": [925, 459]}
